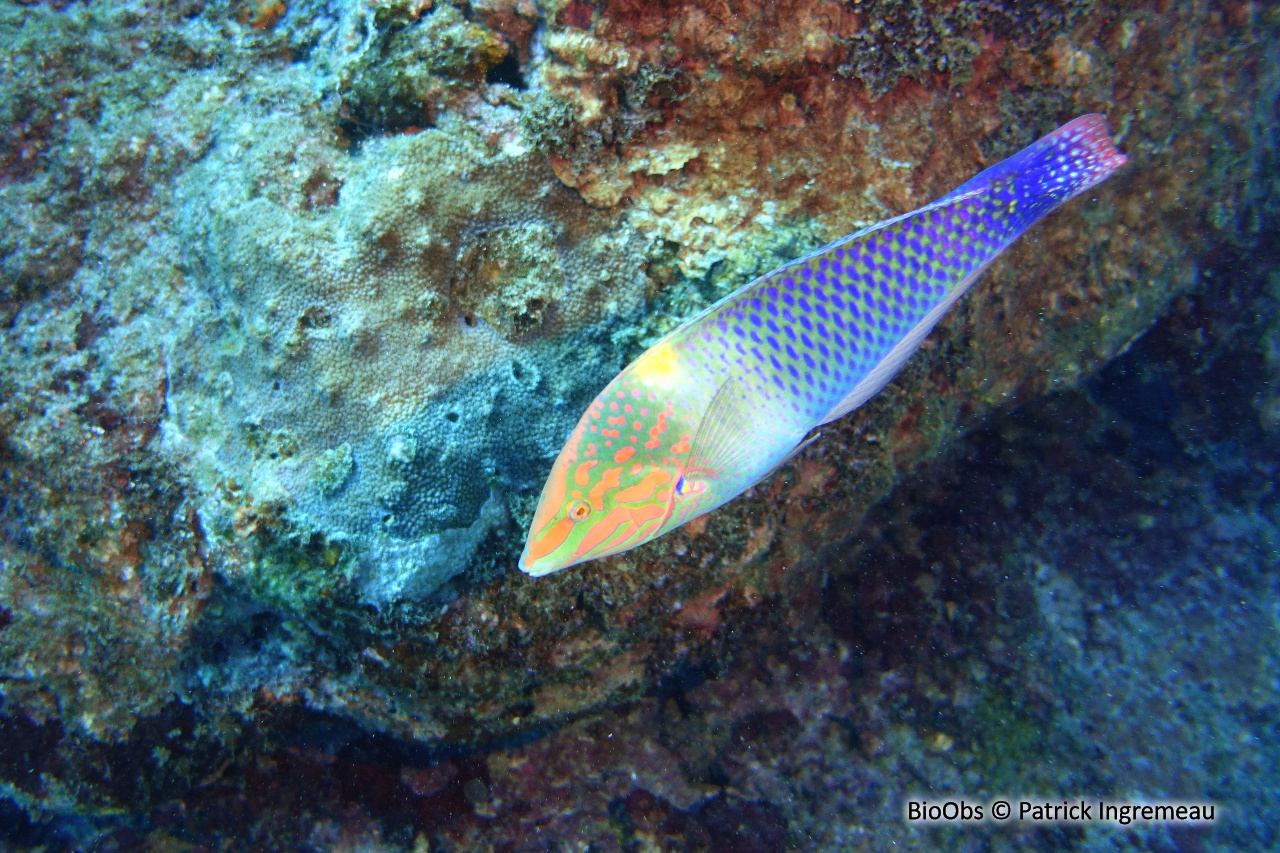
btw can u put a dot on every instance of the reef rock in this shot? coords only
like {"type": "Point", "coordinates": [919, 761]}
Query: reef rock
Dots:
{"type": "Point", "coordinates": [302, 299]}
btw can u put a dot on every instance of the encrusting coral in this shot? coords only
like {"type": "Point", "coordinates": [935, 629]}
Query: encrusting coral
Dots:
{"type": "Point", "coordinates": [427, 322]}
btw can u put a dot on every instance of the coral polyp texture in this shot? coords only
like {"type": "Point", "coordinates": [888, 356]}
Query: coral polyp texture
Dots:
{"type": "Point", "coordinates": [381, 371]}
{"type": "Point", "coordinates": [301, 299]}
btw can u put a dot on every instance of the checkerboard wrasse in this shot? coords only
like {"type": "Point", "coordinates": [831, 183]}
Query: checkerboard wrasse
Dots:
{"type": "Point", "coordinates": [723, 401]}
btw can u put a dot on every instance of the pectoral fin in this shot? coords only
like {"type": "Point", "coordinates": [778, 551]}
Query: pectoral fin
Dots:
{"type": "Point", "coordinates": [727, 439]}
{"type": "Point", "coordinates": [734, 439]}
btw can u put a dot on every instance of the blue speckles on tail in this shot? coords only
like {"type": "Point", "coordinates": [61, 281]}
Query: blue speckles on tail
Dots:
{"type": "Point", "coordinates": [1055, 168]}
{"type": "Point", "coordinates": [824, 333]}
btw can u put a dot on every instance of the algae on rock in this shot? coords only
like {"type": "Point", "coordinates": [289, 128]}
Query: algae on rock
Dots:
{"type": "Point", "coordinates": [400, 80]}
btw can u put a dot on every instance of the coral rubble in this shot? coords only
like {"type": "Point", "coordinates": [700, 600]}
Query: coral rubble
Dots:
{"type": "Point", "coordinates": [300, 299]}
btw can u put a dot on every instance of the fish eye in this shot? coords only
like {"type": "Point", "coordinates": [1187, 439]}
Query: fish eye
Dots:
{"type": "Point", "coordinates": [579, 510]}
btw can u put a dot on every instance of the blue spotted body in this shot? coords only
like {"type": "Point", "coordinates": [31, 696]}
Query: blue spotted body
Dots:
{"type": "Point", "coordinates": [730, 395]}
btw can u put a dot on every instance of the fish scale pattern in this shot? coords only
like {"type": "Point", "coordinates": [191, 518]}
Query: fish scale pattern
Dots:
{"type": "Point", "coordinates": [806, 334]}
{"type": "Point", "coordinates": [723, 400]}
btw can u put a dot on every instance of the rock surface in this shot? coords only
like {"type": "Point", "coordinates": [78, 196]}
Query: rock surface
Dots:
{"type": "Point", "coordinates": [301, 299]}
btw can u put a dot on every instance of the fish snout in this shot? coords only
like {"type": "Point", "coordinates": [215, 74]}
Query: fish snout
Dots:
{"type": "Point", "coordinates": [539, 566]}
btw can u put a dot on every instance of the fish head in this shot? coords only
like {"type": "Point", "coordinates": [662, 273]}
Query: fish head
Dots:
{"type": "Point", "coordinates": [618, 478]}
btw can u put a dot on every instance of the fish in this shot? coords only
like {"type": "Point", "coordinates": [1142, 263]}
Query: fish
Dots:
{"type": "Point", "coordinates": [724, 400]}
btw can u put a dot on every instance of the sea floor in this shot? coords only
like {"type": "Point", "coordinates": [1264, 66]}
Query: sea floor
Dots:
{"type": "Point", "coordinates": [1078, 601]}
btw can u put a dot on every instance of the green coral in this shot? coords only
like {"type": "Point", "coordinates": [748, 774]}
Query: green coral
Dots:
{"type": "Point", "coordinates": [306, 579]}
{"type": "Point", "coordinates": [332, 468]}
{"type": "Point", "coordinates": [553, 124]}
{"type": "Point", "coordinates": [399, 80]}
{"type": "Point", "coordinates": [549, 123]}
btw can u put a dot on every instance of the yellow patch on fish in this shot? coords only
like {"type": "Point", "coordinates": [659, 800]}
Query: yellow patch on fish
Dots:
{"type": "Point", "coordinates": [659, 366]}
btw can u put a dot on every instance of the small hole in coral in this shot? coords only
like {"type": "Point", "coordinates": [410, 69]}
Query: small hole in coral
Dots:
{"type": "Point", "coordinates": [469, 319]}
{"type": "Point", "coordinates": [516, 370]}
{"type": "Point", "coordinates": [275, 386]}
{"type": "Point", "coordinates": [452, 417]}
{"type": "Point", "coordinates": [507, 71]}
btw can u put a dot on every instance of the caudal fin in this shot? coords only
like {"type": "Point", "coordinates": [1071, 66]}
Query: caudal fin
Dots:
{"type": "Point", "coordinates": [1073, 158]}
{"type": "Point", "coordinates": [1056, 167]}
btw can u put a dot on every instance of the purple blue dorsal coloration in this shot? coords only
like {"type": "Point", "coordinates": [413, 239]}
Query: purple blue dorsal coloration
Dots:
{"type": "Point", "coordinates": [721, 402]}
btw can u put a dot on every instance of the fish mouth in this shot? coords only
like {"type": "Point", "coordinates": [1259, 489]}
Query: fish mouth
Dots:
{"type": "Point", "coordinates": [540, 567]}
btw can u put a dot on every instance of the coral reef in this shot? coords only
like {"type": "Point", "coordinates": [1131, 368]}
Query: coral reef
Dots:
{"type": "Point", "coordinates": [301, 298]}
{"type": "Point", "coordinates": [383, 367]}
{"type": "Point", "coordinates": [1089, 578]}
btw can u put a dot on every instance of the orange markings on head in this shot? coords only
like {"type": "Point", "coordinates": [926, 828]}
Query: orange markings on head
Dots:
{"type": "Point", "coordinates": [609, 479]}
{"type": "Point", "coordinates": [627, 407]}
{"type": "Point", "coordinates": [602, 530]}
{"type": "Point", "coordinates": [648, 519]}
{"type": "Point", "coordinates": [663, 495]}
{"type": "Point", "coordinates": [550, 539]}
{"type": "Point", "coordinates": [608, 443]}
{"type": "Point", "coordinates": [648, 529]}
{"type": "Point", "coordinates": [612, 433]}
{"type": "Point", "coordinates": [634, 439]}
{"type": "Point", "coordinates": [644, 489]}
{"type": "Point", "coordinates": [681, 446]}
{"type": "Point", "coordinates": [581, 476]}
{"type": "Point", "coordinates": [635, 392]}
{"type": "Point", "coordinates": [613, 406]}
{"type": "Point", "coordinates": [624, 454]}
{"type": "Point", "coordinates": [613, 523]}
{"type": "Point", "coordinates": [621, 394]}
{"type": "Point", "coordinates": [620, 419]}
{"type": "Point", "coordinates": [591, 450]}
{"type": "Point", "coordinates": [636, 469]}
{"type": "Point", "coordinates": [656, 431]}
{"type": "Point", "coordinates": [644, 413]}
{"type": "Point", "coordinates": [637, 425]}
